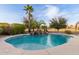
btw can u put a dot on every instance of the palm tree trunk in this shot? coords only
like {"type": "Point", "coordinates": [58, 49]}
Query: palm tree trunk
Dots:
{"type": "Point", "coordinates": [29, 29]}
{"type": "Point", "coordinates": [33, 29]}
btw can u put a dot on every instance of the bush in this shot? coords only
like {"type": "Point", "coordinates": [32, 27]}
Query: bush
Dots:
{"type": "Point", "coordinates": [7, 29]}
{"type": "Point", "coordinates": [17, 28]}
{"type": "Point", "coordinates": [1, 30]}
{"type": "Point", "coordinates": [68, 32]}
{"type": "Point", "coordinates": [3, 27]}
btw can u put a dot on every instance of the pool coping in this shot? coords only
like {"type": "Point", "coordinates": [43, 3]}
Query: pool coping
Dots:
{"type": "Point", "coordinates": [44, 51]}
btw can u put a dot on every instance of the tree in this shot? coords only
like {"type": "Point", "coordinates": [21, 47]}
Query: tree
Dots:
{"type": "Point", "coordinates": [40, 23]}
{"type": "Point", "coordinates": [58, 23]}
{"type": "Point", "coordinates": [17, 28]}
{"type": "Point", "coordinates": [26, 22]}
{"type": "Point", "coordinates": [29, 10]}
{"type": "Point", "coordinates": [34, 24]}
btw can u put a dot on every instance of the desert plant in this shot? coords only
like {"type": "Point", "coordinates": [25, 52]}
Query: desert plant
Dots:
{"type": "Point", "coordinates": [68, 32]}
{"type": "Point", "coordinates": [29, 10]}
{"type": "Point", "coordinates": [58, 23]}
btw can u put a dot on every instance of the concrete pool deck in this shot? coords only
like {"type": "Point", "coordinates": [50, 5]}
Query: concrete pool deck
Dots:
{"type": "Point", "coordinates": [72, 47]}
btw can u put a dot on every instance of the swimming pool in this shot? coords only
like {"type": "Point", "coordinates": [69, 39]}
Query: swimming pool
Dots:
{"type": "Point", "coordinates": [37, 42]}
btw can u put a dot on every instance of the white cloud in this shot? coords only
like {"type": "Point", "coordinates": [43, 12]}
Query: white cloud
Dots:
{"type": "Point", "coordinates": [48, 13]}
{"type": "Point", "coordinates": [51, 11]}
{"type": "Point", "coordinates": [72, 16]}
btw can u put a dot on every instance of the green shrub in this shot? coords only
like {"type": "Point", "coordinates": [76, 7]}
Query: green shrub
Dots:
{"type": "Point", "coordinates": [68, 32]}
{"type": "Point", "coordinates": [6, 29]}
{"type": "Point", "coordinates": [1, 30]}
{"type": "Point", "coordinates": [17, 28]}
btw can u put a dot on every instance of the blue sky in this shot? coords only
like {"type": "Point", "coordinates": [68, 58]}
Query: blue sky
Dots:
{"type": "Point", "coordinates": [14, 13]}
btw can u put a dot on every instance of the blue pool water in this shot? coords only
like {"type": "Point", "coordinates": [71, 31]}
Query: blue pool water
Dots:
{"type": "Point", "coordinates": [37, 42]}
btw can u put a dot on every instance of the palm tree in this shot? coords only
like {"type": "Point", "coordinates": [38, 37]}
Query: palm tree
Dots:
{"type": "Point", "coordinates": [29, 10]}
{"type": "Point", "coordinates": [58, 23]}
{"type": "Point", "coordinates": [26, 22]}
{"type": "Point", "coordinates": [33, 24]}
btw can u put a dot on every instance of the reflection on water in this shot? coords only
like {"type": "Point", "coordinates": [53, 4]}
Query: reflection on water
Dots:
{"type": "Point", "coordinates": [49, 43]}
{"type": "Point", "coordinates": [29, 42]}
